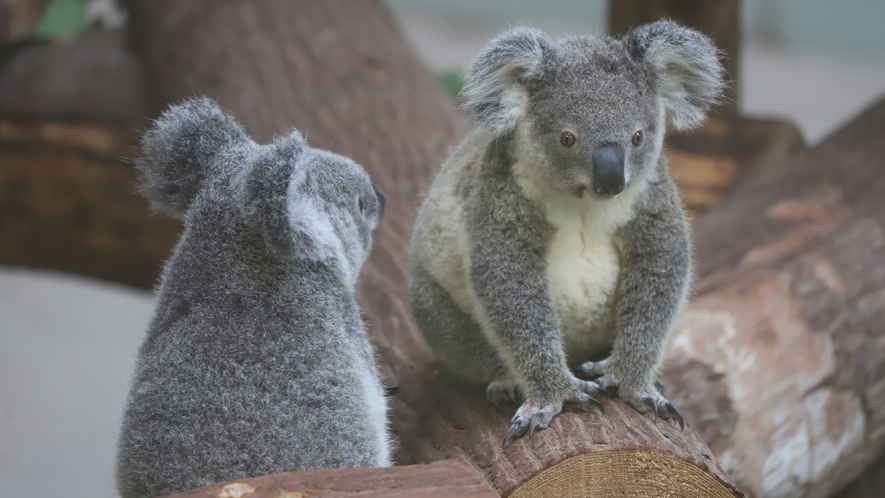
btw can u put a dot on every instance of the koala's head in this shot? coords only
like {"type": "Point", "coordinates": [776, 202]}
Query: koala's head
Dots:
{"type": "Point", "coordinates": [307, 203]}
{"type": "Point", "coordinates": [590, 114]}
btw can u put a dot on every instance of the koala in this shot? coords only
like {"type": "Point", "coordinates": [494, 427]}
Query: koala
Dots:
{"type": "Point", "coordinates": [256, 360]}
{"type": "Point", "coordinates": [553, 242]}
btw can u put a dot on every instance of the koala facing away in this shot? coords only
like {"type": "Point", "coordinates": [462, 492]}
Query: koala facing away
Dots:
{"type": "Point", "coordinates": [553, 239]}
{"type": "Point", "coordinates": [256, 360]}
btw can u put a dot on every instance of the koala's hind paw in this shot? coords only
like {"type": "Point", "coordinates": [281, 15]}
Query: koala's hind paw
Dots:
{"type": "Point", "coordinates": [503, 391]}
{"type": "Point", "coordinates": [661, 408]}
{"type": "Point", "coordinates": [531, 416]}
{"type": "Point", "coordinates": [652, 402]}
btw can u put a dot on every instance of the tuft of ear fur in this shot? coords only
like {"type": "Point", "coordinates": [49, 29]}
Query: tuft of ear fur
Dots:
{"type": "Point", "coordinates": [686, 67]}
{"type": "Point", "coordinates": [178, 150]}
{"type": "Point", "coordinates": [494, 88]}
{"type": "Point", "coordinates": [273, 190]}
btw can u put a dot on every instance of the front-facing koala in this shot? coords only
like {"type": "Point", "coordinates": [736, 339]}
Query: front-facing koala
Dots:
{"type": "Point", "coordinates": [256, 360]}
{"type": "Point", "coordinates": [554, 236]}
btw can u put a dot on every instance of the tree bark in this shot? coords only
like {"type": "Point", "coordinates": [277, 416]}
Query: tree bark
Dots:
{"type": "Point", "coordinates": [340, 72]}
{"type": "Point", "coordinates": [445, 479]}
{"type": "Point", "coordinates": [69, 115]}
{"type": "Point", "coordinates": [18, 18]}
{"type": "Point", "coordinates": [868, 485]}
{"type": "Point", "coordinates": [786, 326]}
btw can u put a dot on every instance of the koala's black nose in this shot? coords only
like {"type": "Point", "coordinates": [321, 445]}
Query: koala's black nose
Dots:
{"type": "Point", "coordinates": [608, 170]}
{"type": "Point", "coordinates": [382, 201]}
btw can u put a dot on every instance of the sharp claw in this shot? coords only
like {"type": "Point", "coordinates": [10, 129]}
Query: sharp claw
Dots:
{"type": "Point", "coordinates": [511, 433]}
{"type": "Point", "coordinates": [511, 396]}
{"type": "Point", "coordinates": [650, 403]}
{"type": "Point", "coordinates": [598, 403]}
{"type": "Point", "coordinates": [674, 412]}
{"type": "Point", "coordinates": [533, 424]}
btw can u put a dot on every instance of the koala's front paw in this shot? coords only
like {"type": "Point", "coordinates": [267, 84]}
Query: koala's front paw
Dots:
{"type": "Point", "coordinates": [533, 416]}
{"type": "Point", "coordinates": [645, 401]}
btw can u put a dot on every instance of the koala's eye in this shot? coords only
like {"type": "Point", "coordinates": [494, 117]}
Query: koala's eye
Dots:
{"type": "Point", "coordinates": [637, 138]}
{"type": "Point", "coordinates": [567, 139]}
{"type": "Point", "coordinates": [361, 204]}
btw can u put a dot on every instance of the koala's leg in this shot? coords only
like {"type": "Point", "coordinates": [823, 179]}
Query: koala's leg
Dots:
{"type": "Point", "coordinates": [651, 294]}
{"type": "Point", "coordinates": [453, 336]}
{"type": "Point", "coordinates": [508, 236]}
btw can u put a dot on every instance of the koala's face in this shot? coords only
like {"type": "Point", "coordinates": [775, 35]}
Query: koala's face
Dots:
{"type": "Point", "coordinates": [589, 114]}
{"type": "Point", "coordinates": [594, 125]}
{"type": "Point", "coordinates": [347, 206]}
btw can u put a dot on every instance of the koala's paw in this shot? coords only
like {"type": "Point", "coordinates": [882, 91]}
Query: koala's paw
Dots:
{"type": "Point", "coordinates": [503, 391]}
{"type": "Point", "coordinates": [646, 401]}
{"type": "Point", "coordinates": [532, 416]}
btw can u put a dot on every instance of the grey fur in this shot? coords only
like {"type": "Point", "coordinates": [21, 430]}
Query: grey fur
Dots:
{"type": "Point", "coordinates": [256, 360]}
{"type": "Point", "coordinates": [522, 269]}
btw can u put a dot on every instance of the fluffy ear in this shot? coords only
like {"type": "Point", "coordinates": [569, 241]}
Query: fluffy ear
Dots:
{"type": "Point", "coordinates": [178, 150]}
{"type": "Point", "coordinates": [494, 87]}
{"type": "Point", "coordinates": [277, 199]}
{"type": "Point", "coordinates": [685, 66]}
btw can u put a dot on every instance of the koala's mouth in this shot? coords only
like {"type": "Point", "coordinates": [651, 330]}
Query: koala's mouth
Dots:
{"type": "Point", "coordinates": [588, 193]}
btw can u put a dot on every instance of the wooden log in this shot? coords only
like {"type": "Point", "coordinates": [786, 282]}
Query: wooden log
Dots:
{"type": "Point", "coordinates": [869, 485]}
{"type": "Point", "coordinates": [68, 202]}
{"type": "Point", "coordinates": [444, 479]}
{"type": "Point", "coordinates": [786, 329]}
{"type": "Point", "coordinates": [18, 18]}
{"type": "Point", "coordinates": [707, 163]}
{"type": "Point", "coordinates": [341, 73]}
{"type": "Point", "coordinates": [95, 80]}
{"type": "Point", "coordinates": [69, 116]}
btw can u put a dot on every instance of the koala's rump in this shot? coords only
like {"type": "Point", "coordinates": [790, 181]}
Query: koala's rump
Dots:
{"type": "Point", "coordinates": [221, 397]}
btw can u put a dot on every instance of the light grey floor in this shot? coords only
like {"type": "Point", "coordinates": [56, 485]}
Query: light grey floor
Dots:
{"type": "Point", "coordinates": [67, 343]}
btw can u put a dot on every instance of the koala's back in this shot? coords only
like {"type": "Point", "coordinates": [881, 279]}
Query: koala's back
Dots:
{"type": "Point", "coordinates": [250, 367]}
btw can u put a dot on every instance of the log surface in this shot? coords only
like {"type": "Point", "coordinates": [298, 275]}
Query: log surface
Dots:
{"type": "Point", "coordinates": [787, 323]}
{"type": "Point", "coordinates": [445, 479]}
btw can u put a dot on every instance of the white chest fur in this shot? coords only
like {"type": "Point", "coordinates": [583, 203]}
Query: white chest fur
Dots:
{"type": "Point", "coordinates": [582, 261]}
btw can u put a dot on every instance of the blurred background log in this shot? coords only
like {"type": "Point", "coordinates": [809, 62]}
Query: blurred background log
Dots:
{"type": "Point", "coordinates": [785, 330]}
{"type": "Point", "coordinates": [70, 114]}
{"type": "Point", "coordinates": [18, 18]}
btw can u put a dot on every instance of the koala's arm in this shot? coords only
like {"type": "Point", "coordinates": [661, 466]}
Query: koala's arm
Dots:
{"type": "Point", "coordinates": [652, 289]}
{"type": "Point", "coordinates": [508, 238]}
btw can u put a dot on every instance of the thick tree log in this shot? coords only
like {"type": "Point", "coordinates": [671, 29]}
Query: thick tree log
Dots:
{"type": "Point", "coordinates": [787, 324]}
{"type": "Point", "coordinates": [706, 164]}
{"type": "Point", "coordinates": [340, 72]}
{"type": "Point", "coordinates": [94, 80]}
{"type": "Point", "coordinates": [870, 484]}
{"type": "Point", "coordinates": [69, 116]}
{"type": "Point", "coordinates": [18, 18]}
{"type": "Point", "coordinates": [445, 479]}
